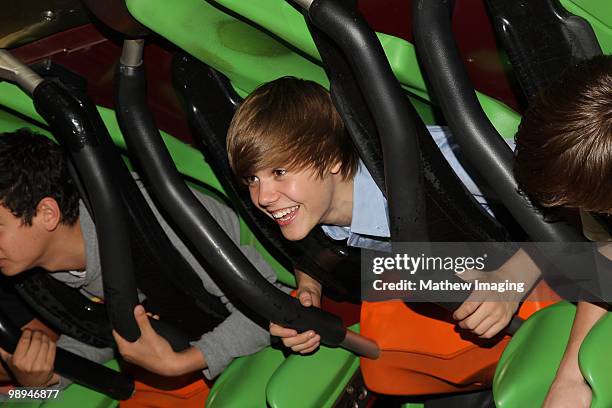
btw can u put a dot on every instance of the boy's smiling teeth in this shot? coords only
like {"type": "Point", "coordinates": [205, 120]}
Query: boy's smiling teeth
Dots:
{"type": "Point", "coordinates": [285, 211]}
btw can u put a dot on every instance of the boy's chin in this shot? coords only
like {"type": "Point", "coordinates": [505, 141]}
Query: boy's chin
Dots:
{"type": "Point", "coordinates": [9, 271]}
{"type": "Point", "coordinates": [291, 235]}
{"type": "Point", "coordinates": [13, 268]}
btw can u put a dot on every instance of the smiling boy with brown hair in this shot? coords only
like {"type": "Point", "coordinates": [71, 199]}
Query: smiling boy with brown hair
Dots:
{"type": "Point", "coordinates": [288, 144]}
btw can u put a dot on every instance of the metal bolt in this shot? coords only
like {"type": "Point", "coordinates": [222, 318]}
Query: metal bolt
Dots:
{"type": "Point", "coordinates": [363, 394]}
{"type": "Point", "coordinates": [350, 389]}
{"type": "Point", "coordinates": [48, 15]}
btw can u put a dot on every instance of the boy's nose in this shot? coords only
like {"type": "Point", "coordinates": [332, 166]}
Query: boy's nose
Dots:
{"type": "Point", "coordinates": [267, 194]}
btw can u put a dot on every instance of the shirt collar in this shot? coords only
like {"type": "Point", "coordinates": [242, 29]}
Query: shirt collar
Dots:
{"type": "Point", "coordinates": [369, 215]}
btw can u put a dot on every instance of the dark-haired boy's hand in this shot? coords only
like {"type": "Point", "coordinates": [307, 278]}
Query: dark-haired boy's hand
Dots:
{"type": "Point", "coordinates": [152, 352]}
{"type": "Point", "coordinates": [33, 360]}
{"type": "Point", "coordinates": [309, 294]}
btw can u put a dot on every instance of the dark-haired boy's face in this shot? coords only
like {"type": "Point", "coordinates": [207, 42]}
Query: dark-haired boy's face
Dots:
{"type": "Point", "coordinates": [21, 246]}
{"type": "Point", "coordinates": [296, 200]}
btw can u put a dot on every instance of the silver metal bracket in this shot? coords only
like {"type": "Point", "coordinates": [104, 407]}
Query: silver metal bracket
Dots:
{"type": "Point", "coordinates": [15, 71]}
{"type": "Point", "coordinates": [131, 55]}
{"type": "Point", "coordinates": [305, 4]}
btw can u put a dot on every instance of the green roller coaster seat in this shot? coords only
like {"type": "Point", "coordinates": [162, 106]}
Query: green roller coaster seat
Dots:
{"type": "Point", "coordinates": [595, 364]}
{"type": "Point", "coordinates": [529, 363]}
{"type": "Point", "coordinates": [267, 378]}
{"type": "Point", "coordinates": [315, 380]}
{"type": "Point", "coordinates": [249, 56]}
{"type": "Point", "coordinates": [249, 375]}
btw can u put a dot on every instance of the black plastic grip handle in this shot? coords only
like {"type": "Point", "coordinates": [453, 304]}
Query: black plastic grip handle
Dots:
{"type": "Point", "coordinates": [395, 118]}
{"type": "Point", "coordinates": [478, 139]}
{"type": "Point", "coordinates": [77, 125]}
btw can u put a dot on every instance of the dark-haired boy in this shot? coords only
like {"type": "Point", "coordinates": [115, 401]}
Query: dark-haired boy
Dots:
{"type": "Point", "coordinates": [44, 224]}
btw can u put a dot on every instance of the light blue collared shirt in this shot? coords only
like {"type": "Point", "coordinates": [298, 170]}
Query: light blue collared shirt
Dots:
{"type": "Point", "coordinates": [370, 217]}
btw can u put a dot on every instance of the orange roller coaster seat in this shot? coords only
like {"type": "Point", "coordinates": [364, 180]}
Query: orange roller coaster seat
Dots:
{"type": "Point", "coordinates": [153, 391]}
{"type": "Point", "coordinates": [424, 352]}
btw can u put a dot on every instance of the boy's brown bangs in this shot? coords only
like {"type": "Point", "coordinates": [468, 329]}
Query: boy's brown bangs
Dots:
{"type": "Point", "coordinates": [591, 193]}
{"type": "Point", "coordinates": [289, 123]}
{"type": "Point", "coordinates": [599, 200]}
{"type": "Point", "coordinates": [273, 153]}
{"type": "Point", "coordinates": [252, 152]}
{"type": "Point", "coordinates": [577, 177]}
{"type": "Point", "coordinates": [564, 142]}
{"type": "Point", "coordinates": [292, 153]}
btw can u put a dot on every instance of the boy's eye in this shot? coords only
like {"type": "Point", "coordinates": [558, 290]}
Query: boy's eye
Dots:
{"type": "Point", "coordinates": [250, 180]}
{"type": "Point", "coordinates": [279, 172]}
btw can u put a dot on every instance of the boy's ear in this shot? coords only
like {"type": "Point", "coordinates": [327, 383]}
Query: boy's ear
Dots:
{"type": "Point", "coordinates": [48, 213]}
{"type": "Point", "coordinates": [335, 168]}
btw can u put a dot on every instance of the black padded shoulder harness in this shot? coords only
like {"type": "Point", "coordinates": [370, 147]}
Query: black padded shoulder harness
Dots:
{"type": "Point", "coordinates": [172, 288]}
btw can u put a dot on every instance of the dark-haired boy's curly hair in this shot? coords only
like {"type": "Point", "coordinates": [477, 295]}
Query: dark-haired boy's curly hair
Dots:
{"type": "Point", "coordinates": [33, 167]}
